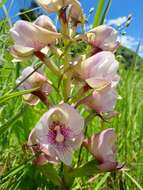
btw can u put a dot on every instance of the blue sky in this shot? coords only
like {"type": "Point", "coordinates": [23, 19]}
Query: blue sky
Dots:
{"type": "Point", "coordinates": [119, 10]}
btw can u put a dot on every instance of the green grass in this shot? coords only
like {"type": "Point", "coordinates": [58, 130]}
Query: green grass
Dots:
{"type": "Point", "coordinates": [17, 119]}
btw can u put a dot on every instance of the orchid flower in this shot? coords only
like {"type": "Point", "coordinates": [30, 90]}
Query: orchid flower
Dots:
{"type": "Point", "coordinates": [42, 156]}
{"type": "Point", "coordinates": [102, 101]}
{"type": "Point", "coordinates": [59, 131]}
{"type": "Point", "coordinates": [30, 37]}
{"type": "Point", "coordinates": [102, 38]}
{"type": "Point", "coordinates": [102, 147]}
{"type": "Point", "coordinates": [56, 5]}
{"type": "Point", "coordinates": [100, 73]}
{"type": "Point", "coordinates": [100, 68]}
{"type": "Point", "coordinates": [36, 80]}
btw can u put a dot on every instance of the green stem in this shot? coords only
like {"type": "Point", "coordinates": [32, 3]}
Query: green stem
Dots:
{"type": "Point", "coordinates": [80, 101]}
{"type": "Point", "coordinates": [75, 98]}
{"type": "Point", "coordinates": [53, 67]}
{"type": "Point", "coordinates": [67, 88]}
{"type": "Point", "coordinates": [67, 179]}
{"type": "Point", "coordinates": [90, 168]}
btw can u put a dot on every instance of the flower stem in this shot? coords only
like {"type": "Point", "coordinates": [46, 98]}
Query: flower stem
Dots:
{"type": "Point", "coordinates": [53, 67]}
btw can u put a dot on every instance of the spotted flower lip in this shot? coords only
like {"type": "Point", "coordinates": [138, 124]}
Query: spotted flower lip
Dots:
{"type": "Point", "coordinates": [29, 37]}
{"type": "Point", "coordinates": [36, 80]}
{"type": "Point", "coordinates": [102, 37]}
{"type": "Point", "coordinates": [59, 131]}
{"type": "Point", "coordinates": [102, 147]}
{"type": "Point", "coordinates": [42, 156]}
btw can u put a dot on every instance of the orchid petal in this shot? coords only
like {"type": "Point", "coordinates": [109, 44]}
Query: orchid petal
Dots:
{"type": "Point", "coordinates": [103, 37]}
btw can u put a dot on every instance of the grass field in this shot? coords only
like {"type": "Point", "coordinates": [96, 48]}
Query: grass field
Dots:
{"type": "Point", "coordinates": [17, 119]}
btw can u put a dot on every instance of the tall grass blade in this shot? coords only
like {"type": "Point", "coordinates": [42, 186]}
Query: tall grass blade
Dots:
{"type": "Point", "coordinates": [7, 15]}
{"type": "Point", "coordinates": [134, 181]}
{"type": "Point", "coordinates": [102, 181]}
{"type": "Point", "coordinates": [105, 12]}
{"type": "Point", "coordinates": [98, 13]}
{"type": "Point", "coordinates": [7, 97]}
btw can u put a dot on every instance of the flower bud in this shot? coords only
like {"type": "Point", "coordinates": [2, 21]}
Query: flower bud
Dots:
{"type": "Point", "coordinates": [103, 38]}
{"type": "Point", "coordinates": [100, 70]}
{"type": "Point", "coordinates": [45, 22]}
{"type": "Point", "coordinates": [36, 80]}
{"type": "Point", "coordinates": [51, 5]}
{"type": "Point", "coordinates": [102, 101]}
{"type": "Point", "coordinates": [76, 13]}
{"type": "Point", "coordinates": [102, 147]}
{"type": "Point", "coordinates": [100, 73]}
{"type": "Point", "coordinates": [30, 37]}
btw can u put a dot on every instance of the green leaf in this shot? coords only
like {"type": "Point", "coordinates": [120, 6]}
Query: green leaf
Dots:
{"type": "Point", "coordinates": [67, 178]}
{"type": "Point", "coordinates": [88, 169]}
{"type": "Point", "coordinates": [133, 181]}
{"type": "Point", "coordinates": [102, 181]}
{"type": "Point", "coordinates": [49, 171]}
{"type": "Point", "coordinates": [7, 97]}
{"type": "Point", "coordinates": [98, 13]}
{"type": "Point", "coordinates": [12, 120]}
{"type": "Point", "coordinates": [13, 172]}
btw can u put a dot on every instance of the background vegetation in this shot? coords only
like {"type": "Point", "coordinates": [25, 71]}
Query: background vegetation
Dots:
{"type": "Point", "coordinates": [17, 119]}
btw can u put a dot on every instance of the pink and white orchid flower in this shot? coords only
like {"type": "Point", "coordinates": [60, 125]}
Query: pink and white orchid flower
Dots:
{"type": "Point", "coordinates": [45, 22]}
{"type": "Point", "coordinates": [102, 37]}
{"type": "Point", "coordinates": [102, 147]}
{"type": "Point", "coordinates": [30, 37]}
{"type": "Point", "coordinates": [102, 101]}
{"type": "Point", "coordinates": [100, 69]}
{"type": "Point", "coordinates": [36, 80]}
{"type": "Point", "coordinates": [100, 73]}
{"type": "Point", "coordinates": [41, 153]}
{"type": "Point", "coordinates": [55, 6]}
{"type": "Point", "coordinates": [59, 131]}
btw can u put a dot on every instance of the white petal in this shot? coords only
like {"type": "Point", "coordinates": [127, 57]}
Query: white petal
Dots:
{"type": "Point", "coordinates": [65, 156]}
{"type": "Point", "coordinates": [106, 144]}
{"type": "Point", "coordinates": [45, 22]}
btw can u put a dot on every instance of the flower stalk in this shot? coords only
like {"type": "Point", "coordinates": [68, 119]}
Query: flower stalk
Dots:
{"type": "Point", "coordinates": [90, 79]}
{"type": "Point", "coordinates": [52, 66]}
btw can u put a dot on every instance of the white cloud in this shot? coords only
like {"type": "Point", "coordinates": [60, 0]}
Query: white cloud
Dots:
{"type": "Point", "coordinates": [131, 43]}
{"type": "Point", "coordinates": [126, 40]}
{"type": "Point", "coordinates": [117, 21]}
